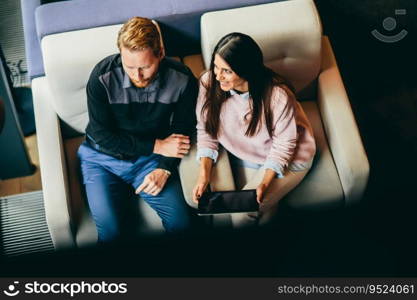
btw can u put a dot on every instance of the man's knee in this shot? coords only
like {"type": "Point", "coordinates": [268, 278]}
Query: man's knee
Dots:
{"type": "Point", "coordinates": [107, 230]}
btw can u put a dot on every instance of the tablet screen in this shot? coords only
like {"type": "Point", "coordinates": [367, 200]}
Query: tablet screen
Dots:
{"type": "Point", "coordinates": [227, 202]}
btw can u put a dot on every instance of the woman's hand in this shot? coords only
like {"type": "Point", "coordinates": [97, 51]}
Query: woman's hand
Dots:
{"type": "Point", "coordinates": [203, 179]}
{"type": "Point", "coordinates": [260, 191]}
{"type": "Point", "coordinates": [263, 186]}
{"type": "Point", "coordinates": [199, 188]}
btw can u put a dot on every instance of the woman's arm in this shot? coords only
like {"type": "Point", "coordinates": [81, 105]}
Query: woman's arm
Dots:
{"type": "Point", "coordinates": [207, 146]}
{"type": "Point", "coordinates": [284, 135]}
{"type": "Point", "coordinates": [284, 140]}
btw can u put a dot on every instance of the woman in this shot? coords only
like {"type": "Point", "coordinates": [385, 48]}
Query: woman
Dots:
{"type": "Point", "coordinates": [252, 112]}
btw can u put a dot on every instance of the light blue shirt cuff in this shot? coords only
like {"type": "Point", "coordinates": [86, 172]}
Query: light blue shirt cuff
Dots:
{"type": "Point", "coordinates": [277, 168]}
{"type": "Point", "coordinates": [206, 152]}
{"type": "Point", "coordinates": [298, 167]}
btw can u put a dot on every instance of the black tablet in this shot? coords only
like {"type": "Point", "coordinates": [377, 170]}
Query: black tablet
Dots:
{"type": "Point", "coordinates": [227, 202]}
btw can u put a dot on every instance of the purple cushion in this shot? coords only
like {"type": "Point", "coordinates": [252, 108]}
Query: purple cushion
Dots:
{"type": "Point", "coordinates": [82, 14]}
{"type": "Point", "coordinates": [33, 51]}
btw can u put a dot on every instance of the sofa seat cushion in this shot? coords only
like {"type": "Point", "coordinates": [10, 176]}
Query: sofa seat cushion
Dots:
{"type": "Point", "coordinates": [321, 188]}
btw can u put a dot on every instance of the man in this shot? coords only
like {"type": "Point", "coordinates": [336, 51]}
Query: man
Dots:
{"type": "Point", "coordinates": [141, 113]}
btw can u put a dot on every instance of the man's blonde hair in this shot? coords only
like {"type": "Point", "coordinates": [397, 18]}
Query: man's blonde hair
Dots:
{"type": "Point", "coordinates": [140, 33]}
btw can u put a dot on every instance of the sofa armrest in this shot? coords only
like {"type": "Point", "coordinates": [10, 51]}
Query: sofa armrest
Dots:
{"type": "Point", "coordinates": [52, 166]}
{"type": "Point", "coordinates": [341, 128]}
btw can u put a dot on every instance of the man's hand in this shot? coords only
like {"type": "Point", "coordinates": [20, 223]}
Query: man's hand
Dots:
{"type": "Point", "coordinates": [176, 145]}
{"type": "Point", "coordinates": [154, 182]}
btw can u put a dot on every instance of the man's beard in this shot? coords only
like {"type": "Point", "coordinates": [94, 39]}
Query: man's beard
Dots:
{"type": "Point", "coordinates": [142, 83]}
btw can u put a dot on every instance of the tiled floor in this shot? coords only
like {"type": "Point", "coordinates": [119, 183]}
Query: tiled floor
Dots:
{"type": "Point", "coordinates": [28, 183]}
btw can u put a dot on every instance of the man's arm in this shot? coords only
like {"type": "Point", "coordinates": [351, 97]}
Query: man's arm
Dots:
{"type": "Point", "coordinates": [102, 129]}
{"type": "Point", "coordinates": [184, 120]}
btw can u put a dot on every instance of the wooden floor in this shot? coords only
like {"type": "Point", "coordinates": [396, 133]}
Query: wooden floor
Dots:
{"type": "Point", "coordinates": [28, 183]}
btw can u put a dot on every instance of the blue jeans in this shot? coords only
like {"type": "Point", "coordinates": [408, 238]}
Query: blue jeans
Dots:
{"type": "Point", "coordinates": [110, 184]}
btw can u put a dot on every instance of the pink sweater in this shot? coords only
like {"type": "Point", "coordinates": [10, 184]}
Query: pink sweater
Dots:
{"type": "Point", "coordinates": [292, 140]}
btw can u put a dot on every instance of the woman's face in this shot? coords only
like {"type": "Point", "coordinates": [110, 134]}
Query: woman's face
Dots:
{"type": "Point", "coordinates": [228, 79]}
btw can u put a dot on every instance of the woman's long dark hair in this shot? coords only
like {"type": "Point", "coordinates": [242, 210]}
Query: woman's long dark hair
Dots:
{"type": "Point", "coordinates": [245, 58]}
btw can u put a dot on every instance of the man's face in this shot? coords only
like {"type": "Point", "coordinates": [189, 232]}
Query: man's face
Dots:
{"type": "Point", "coordinates": [140, 65]}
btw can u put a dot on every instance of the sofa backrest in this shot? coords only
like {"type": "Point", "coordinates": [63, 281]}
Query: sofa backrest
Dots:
{"type": "Point", "coordinates": [69, 59]}
{"type": "Point", "coordinates": [179, 19]}
{"type": "Point", "coordinates": [289, 34]}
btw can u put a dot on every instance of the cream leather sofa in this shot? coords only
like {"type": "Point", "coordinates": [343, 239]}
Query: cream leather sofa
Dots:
{"type": "Point", "coordinates": [290, 36]}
